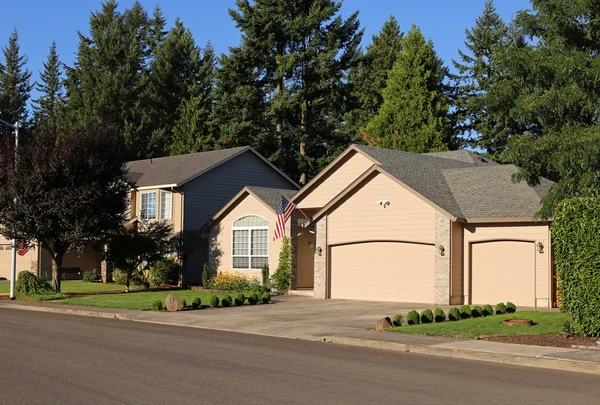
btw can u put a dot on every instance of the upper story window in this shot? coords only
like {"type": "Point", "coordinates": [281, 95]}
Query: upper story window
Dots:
{"type": "Point", "coordinates": [148, 205]}
{"type": "Point", "coordinates": [250, 244]}
{"type": "Point", "coordinates": [166, 205]}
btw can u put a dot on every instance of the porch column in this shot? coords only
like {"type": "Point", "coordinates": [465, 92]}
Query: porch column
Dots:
{"type": "Point", "coordinates": [106, 269]}
{"type": "Point", "coordinates": [321, 287]}
{"type": "Point", "coordinates": [443, 253]}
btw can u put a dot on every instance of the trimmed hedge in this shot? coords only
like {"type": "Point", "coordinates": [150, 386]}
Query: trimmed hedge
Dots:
{"type": "Point", "coordinates": [476, 311]}
{"type": "Point", "coordinates": [197, 303]}
{"type": "Point", "coordinates": [226, 301]}
{"type": "Point", "coordinates": [439, 315]}
{"type": "Point", "coordinates": [239, 299]}
{"type": "Point", "coordinates": [397, 320]}
{"type": "Point", "coordinates": [487, 310]}
{"type": "Point", "coordinates": [265, 298]}
{"type": "Point", "coordinates": [413, 318]}
{"type": "Point", "coordinates": [90, 276]}
{"type": "Point", "coordinates": [157, 305]}
{"type": "Point", "coordinates": [252, 299]}
{"type": "Point", "coordinates": [184, 302]}
{"type": "Point", "coordinates": [453, 314]}
{"type": "Point", "coordinates": [426, 316]}
{"type": "Point", "coordinates": [500, 308]}
{"type": "Point", "coordinates": [511, 308]}
{"type": "Point", "coordinates": [29, 285]}
{"type": "Point", "coordinates": [465, 311]}
{"type": "Point", "coordinates": [213, 301]}
{"type": "Point", "coordinates": [575, 241]}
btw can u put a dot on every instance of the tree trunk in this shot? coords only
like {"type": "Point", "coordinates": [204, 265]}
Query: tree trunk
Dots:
{"type": "Point", "coordinates": [303, 141]}
{"type": "Point", "coordinates": [278, 132]}
{"type": "Point", "coordinates": [127, 282]}
{"type": "Point", "coordinates": [56, 272]}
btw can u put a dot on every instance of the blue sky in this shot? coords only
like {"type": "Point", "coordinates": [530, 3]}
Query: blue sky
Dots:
{"type": "Point", "coordinates": [39, 22]}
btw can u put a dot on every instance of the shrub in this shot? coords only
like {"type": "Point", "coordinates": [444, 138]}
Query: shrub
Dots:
{"type": "Point", "coordinates": [265, 298]}
{"type": "Point", "coordinates": [412, 318]}
{"type": "Point", "coordinates": [511, 308]}
{"type": "Point", "coordinates": [453, 314]}
{"type": "Point", "coordinates": [465, 311]}
{"type": "Point", "coordinates": [283, 276]}
{"type": "Point", "coordinates": [226, 301]}
{"type": "Point", "coordinates": [575, 241]}
{"type": "Point", "coordinates": [265, 275]}
{"type": "Point", "coordinates": [164, 272]}
{"type": "Point", "coordinates": [157, 305]}
{"type": "Point", "coordinates": [252, 299]}
{"type": "Point", "coordinates": [29, 285]}
{"type": "Point", "coordinates": [120, 277]}
{"type": "Point", "coordinates": [476, 311]}
{"type": "Point", "coordinates": [487, 310]}
{"type": "Point", "coordinates": [184, 302]}
{"type": "Point", "coordinates": [197, 303]}
{"type": "Point", "coordinates": [500, 308]}
{"type": "Point", "coordinates": [439, 315]}
{"type": "Point", "coordinates": [205, 275]}
{"type": "Point", "coordinates": [91, 276]}
{"type": "Point", "coordinates": [232, 281]}
{"type": "Point", "coordinates": [239, 300]}
{"type": "Point", "coordinates": [213, 301]}
{"type": "Point", "coordinates": [426, 316]}
{"type": "Point", "coordinates": [397, 320]}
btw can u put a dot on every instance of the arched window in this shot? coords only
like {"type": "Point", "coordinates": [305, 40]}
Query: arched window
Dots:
{"type": "Point", "coordinates": [250, 243]}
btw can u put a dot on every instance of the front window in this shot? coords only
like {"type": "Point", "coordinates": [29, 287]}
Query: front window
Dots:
{"type": "Point", "coordinates": [166, 205]}
{"type": "Point", "coordinates": [148, 209]}
{"type": "Point", "coordinates": [250, 248]}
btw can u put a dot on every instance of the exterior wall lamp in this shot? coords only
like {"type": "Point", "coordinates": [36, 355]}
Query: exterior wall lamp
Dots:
{"type": "Point", "coordinates": [442, 250]}
{"type": "Point", "coordinates": [540, 247]}
{"type": "Point", "coordinates": [319, 251]}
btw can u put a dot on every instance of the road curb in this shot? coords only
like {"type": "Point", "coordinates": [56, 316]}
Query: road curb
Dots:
{"type": "Point", "coordinates": [69, 311]}
{"type": "Point", "coordinates": [518, 360]}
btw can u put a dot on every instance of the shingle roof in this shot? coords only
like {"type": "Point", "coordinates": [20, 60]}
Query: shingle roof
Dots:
{"type": "Point", "coordinates": [461, 184]}
{"type": "Point", "coordinates": [177, 169]}
{"type": "Point", "coordinates": [271, 196]}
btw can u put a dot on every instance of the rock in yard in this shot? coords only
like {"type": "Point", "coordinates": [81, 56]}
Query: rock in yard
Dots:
{"type": "Point", "coordinates": [383, 324]}
{"type": "Point", "coordinates": [173, 303]}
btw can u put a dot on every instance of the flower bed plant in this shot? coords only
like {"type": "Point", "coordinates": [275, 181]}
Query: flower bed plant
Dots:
{"type": "Point", "coordinates": [233, 281]}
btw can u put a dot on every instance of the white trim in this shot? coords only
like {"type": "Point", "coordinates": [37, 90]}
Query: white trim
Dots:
{"type": "Point", "coordinates": [249, 229]}
{"type": "Point", "coordinates": [153, 187]}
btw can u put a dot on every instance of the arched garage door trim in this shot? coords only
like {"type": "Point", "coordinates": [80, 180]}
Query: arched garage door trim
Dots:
{"type": "Point", "coordinates": [493, 240]}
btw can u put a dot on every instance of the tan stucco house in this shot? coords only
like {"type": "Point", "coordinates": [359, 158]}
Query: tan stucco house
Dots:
{"type": "Point", "coordinates": [385, 225]}
{"type": "Point", "coordinates": [185, 191]}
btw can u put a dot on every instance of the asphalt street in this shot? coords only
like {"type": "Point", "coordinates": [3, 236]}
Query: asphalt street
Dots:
{"type": "Point", "coordinates": [64, 359]}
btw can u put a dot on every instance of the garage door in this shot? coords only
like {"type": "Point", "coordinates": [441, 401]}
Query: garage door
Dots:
{"type": "Point", "coordinates": [383, 271]}
{"type": "Point", "coordinates": [503, 271]}
{"type": "Point", "coordinates": [5, 260]}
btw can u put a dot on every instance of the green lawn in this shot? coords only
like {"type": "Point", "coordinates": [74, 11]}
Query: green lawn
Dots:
{"type": "Point", "coordinates": [544, 323]}
{"type": "Point", "coordinates": [77, 287]}
{"type": "Point", "coordinates": [137, 300]}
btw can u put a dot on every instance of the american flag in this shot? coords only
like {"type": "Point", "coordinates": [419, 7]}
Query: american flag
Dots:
{"type": "Point", "coordinates": [284, 212]}
{"type": "Point", "coordinates": [22, 249]}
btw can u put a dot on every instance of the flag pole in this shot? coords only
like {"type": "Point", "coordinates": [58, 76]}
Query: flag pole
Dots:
{"type": "Point", "coordinates": [13, 268]}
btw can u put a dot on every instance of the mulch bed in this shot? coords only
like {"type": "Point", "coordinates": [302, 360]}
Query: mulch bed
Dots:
{"type": "Point", "coordinates": [555, 340]}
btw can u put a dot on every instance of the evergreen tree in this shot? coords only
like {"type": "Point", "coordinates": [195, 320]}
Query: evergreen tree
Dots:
{"type": "Point", "coordinates": [15, 86]}
{"type": "Point", "coordinates": [48, 106]}
{"type": "Point", "coordinates": [414, 113]}
{"type": "Point", "coordinates": [156, 29]}
{"type": "Point", "coordinates": [371, 76]}
{"type": "Point", "coordinates": [478, 72]}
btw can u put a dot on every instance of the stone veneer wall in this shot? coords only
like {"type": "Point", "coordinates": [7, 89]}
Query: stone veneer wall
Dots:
{"type": "Point", "coordinates": [320, 287]}
{"type": "Point", "coordinates": [442, 263]}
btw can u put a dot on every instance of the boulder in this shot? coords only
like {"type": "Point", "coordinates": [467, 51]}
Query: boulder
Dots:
{"type": "Point", "coordinates": [383, 324]}
{"type": "Point", "coordinates": [173, 303]}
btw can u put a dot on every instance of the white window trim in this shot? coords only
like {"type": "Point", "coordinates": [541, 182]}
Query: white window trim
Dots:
{"type": "Point", "coordinates": [156, 202]}
{"type": "Point", "coordinates": [249, 229]}
{"type": "Point", "coordinates": [169, 217]}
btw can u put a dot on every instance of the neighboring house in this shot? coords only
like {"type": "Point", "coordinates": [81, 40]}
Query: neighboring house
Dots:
{"type": "Point", "coordinates": [185, 191]}
{"type": "Point", "coordinates": [386, 225]}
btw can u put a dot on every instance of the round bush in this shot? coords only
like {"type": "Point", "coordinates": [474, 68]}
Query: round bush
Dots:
{"type": "Point", "coordinates": [226, 301]}
{"type": "Point", "coordinates": [239, 300]}
{"type": "Point", "coordinates": [213, 301]}
{"type": "Point", "coordinates": [500, 308]}
{"type": "Point", "coordinates": [197, 303]}
{"type": "Point", "coordinates": [465, 312]}
{"type": "Point", "coordinates": [453, 314]}
{"type": "Point", "coordinates": [252, 299]}
{"type": "Point", "coordinates": [413, 318]}
{"type": "Point", "coordinates": [265, 298]}
{"type": "Point", "coordinates": [426, 316]}
{"type": "Point", "coordinates": [439, 315]}
{"type": "Point", "coordinates": [487, 310]}
{"type": "Point", "coordinates": [157, 305]}
{"type": "Point", "coordinates": [511, 308]}
{"type": "Point", "coordinates": [476, 311]}
{"type": "Point", "coordinates": [397, 320]}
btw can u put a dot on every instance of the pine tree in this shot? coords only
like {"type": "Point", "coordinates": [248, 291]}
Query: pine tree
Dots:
{"type": "Point", "coordinates": [414, 113]}
{"type": "Point", "coordinates": [48, 106]}
{"type": "Point", "coordinates": [370, 77]}
{"type": "Point", "coordinates": [15, 86]}
{"type": "Point", "coordinates": [478, 72]}
{"type": "Point", "coordinates": [156, 30]}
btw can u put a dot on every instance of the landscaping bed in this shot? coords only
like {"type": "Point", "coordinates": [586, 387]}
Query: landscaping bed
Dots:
{"type": "Point", "coordinates": [554, 340]}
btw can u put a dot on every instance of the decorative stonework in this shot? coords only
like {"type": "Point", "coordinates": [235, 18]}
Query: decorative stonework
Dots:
{"type": "Point", "coordinates": [320, 286]}
{"type": "Point", "coordinates": [106, 271]}
{"type": "Point", "coordinates": [442, 262]}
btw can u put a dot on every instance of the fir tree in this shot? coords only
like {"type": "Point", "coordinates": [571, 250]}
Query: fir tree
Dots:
{"type": "Point", "coordinates": [414, 113]}
{"type": "Point", "coordinates": [156, 29]}
{"type": "Point", "coordinates": [15, 86]}
{"type": "Point", "coordinates": [48, 106]}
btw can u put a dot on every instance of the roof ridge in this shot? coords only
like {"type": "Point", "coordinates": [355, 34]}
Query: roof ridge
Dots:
{"type": "Point", "coordinates": [188, 154]}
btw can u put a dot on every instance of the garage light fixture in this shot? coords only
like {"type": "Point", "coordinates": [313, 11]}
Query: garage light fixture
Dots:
{"type": "Point", "coordinates": [442, 250]}
{"type": "Point", "coordinates": [540, 247]}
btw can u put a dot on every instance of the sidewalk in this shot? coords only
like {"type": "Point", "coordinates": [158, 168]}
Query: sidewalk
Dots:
{"type": "Point", "coordinates": [278, 320]}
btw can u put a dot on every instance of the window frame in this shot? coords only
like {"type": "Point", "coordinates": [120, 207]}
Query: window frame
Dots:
{"type": "Point", "coordinates": [142, 194]}
{"type": "Point", "coordinates": [170, 216]}
{"type": "Point", "coordinates": [249, 229]}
